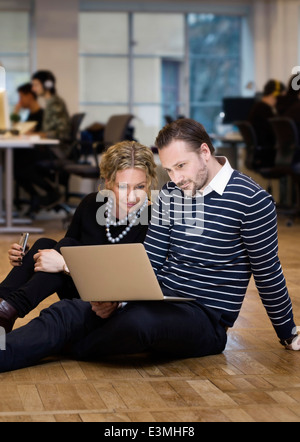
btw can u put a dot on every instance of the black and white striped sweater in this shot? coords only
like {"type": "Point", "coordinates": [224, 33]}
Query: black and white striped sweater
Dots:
{"type": "Point", "coordinates": [208, 247]}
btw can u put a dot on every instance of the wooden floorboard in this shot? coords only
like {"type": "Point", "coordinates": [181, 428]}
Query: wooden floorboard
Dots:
{"type": "Point", "coordinates": [254, 380]}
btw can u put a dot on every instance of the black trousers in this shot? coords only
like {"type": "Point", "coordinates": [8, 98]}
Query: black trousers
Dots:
{"type": "Point", "coordinates": [27, 172]}
{"type": "Point", "coordinates": [24, 289]}
{"type": "Point", "coordinates": [175, 329]}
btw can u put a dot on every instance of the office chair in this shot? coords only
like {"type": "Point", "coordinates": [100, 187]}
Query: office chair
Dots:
{"type": "Point", "coordinates": [63, 153]}
{"type": "Point", "coordinates": [249, 137]}
{"type": "Point", "coordinates": [287, 139]}
{"type": "Point", "coordinates": [59, 156]}
{"type": "Point", "coordinates": [52, 166]}
{"type": "Point", "coordinates": [252, 161]}
{"type": "Point", "coordinates": [168, 119]}
{"type": "Point", "coordinates": [288, 149]}
{"type": "Point", "coordinates": [115, 130]}
{"type": "Point", "coordinates": [87, 164]}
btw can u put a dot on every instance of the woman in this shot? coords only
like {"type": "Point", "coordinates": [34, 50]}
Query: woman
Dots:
{"type": "Point", "coordinates": [128, 169]}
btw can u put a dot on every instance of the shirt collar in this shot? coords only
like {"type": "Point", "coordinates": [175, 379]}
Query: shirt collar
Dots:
{"type": "Point", "coordinates": [220, 181]}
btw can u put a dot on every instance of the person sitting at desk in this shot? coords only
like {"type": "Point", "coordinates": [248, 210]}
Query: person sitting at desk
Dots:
{"type": "Point", "coordinates": [56, 121]}
{"type": "Point", "coordinates": [293, 109]}
{"type": "Point", "coordinates": [290, 98]}
{"type": "Point", "coordinates": [259, 117]}
{"type": "Point", "coordinates": [26, 170]}
{"type": "Point", "coordinates": [55, 124]}
{"type": "Point", "coordinates": [28, 100]}
{"type": "Point", "coordinates": [39, 273]}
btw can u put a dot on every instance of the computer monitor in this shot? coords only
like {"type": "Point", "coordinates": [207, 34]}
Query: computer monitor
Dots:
{"type": "Point", "coordinates": [4, 113]}
{"type": "Point", "coordinates": [237, 108]}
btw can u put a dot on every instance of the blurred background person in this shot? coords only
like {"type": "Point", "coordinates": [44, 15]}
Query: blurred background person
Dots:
{"type": "Point", "coordinates": [291, 98]}
{"type": "Point", "coordinates": [259, 116]}
{"type": "Point", "coordinates": [32, 166]}
{"type": "Point", "coordinates": [289, 106]}
{"type": "Point", "coordinates": [28, 100]}
{"type": "Point", "coordinates": [56, 121]}
{"type": "Point", "coordinates": [292, 109]}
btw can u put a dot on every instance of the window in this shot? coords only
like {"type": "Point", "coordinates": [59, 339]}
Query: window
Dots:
{"type": "Point", "coordinates": [158, 42]}
{"type": "Point", "coordinates": [103, 65]}
{"type": "Point", "coordinates": [170, 93]}
{"type": "Point", "coordinates": [138, 62]}
{"type": "Point", "coordinates": [215, 64]}
{"type": "Point", "coordinates": [14, 50]}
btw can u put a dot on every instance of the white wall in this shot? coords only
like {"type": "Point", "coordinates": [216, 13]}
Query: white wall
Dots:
{"type": "Point", "coordinates": [55, 45]}
{"type": "Point", "coordinates": [276, 39]}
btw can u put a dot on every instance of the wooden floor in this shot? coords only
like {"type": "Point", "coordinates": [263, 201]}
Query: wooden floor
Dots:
{"type": "Point", "coordinates": [255, 379]}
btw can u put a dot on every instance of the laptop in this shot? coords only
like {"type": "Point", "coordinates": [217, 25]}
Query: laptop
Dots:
{"type": "Point", "coordinates": [25, 126]}
{"type": "Point", "coordinates": [116, 272]}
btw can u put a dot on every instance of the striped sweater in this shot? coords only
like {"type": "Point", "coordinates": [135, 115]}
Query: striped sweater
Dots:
{"type": "Point", "coordinates": [208, 248]}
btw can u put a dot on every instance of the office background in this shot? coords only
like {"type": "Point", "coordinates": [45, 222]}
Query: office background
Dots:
{"type": "Point", "coordinates": [150, 58]}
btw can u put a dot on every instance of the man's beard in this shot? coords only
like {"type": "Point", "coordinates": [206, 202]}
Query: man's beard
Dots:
{"type": "Point", "coordinates": [193, 186]}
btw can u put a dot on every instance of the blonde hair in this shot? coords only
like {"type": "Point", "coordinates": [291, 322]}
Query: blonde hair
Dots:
{"type": "Point", "coordinates": [128, 155]}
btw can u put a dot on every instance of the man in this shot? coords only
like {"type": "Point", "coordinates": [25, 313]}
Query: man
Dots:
{"type": "Point", "coordinates": [26, 161]}
{"type": "Point", "coordinates": [238, 237]}
{"type": "Point", "coordinates": [56, 122]}
{"type": "Point", "coordinates": [211, 229]}
{"type": "Point", "coordinates": [28, 100]}
{"type": "Point", "coordinates": [259, 117]}
{"type": "Point", "coordinates": [293, 106]}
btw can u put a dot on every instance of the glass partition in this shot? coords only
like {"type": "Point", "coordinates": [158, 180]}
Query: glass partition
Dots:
{"type": "Point", "coordinates": [158, 66]}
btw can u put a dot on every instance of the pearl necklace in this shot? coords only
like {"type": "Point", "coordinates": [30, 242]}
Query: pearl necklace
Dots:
{"type": "Point", "coordinates": [131, 218]}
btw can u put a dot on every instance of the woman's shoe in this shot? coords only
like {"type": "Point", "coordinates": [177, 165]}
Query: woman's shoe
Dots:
{"type": "Point", "coordinates": [8, 315]}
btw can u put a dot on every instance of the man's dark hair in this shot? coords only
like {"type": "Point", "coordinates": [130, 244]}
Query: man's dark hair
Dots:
{"type": "Point", "coordinates": [185, 129]}
{"type": "Point", "coordinates": [273, 87]}
{"type": "Point", "coordinates": [26, 89]}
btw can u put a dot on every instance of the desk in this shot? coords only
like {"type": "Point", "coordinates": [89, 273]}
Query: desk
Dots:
{"type": "Point", "coordinates": [233, 141]}
{"type": "Point", "coordinates": [8, 144]}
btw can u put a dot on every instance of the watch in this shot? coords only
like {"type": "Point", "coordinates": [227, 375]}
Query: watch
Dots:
{"type": "Point", "coordinates": [66, 270]}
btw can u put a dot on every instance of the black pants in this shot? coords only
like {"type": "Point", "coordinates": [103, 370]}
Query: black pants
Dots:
{"type": "Point", "coordinates": [27, 172]}
{"type": "Point", "coordinates": [176, 329]}
{"type": "Point", "coordinates": [24, 289]}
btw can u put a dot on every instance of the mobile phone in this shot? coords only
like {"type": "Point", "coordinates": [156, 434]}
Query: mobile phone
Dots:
{"type": "Point", "coordinates": [23, 240]}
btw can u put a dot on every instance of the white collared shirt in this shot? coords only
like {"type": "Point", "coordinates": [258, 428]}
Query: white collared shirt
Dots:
{"type": "Point", "coordinates": [220, 181]}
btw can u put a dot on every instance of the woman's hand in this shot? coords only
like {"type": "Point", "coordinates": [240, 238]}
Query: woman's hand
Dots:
{"type": "Point", "coordinates": [104, 309]}
{"type": "Point", "coordinates": [48, 260]}
{"type": "Point", "coordinates": [15, 254]}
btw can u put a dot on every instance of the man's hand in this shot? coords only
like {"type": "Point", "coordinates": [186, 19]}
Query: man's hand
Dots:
{"type": "Point", "coordinates": [104, 309]}
{"type": "Point", "coordinates": [295, 342]}
{"type": "Point", "coordinates": [295, 345]}
{"type": "Point", "coordinates": [48, 260]}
